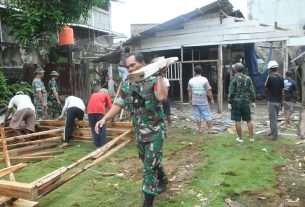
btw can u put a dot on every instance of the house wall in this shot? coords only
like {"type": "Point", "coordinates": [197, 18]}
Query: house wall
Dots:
{"type": "Point", "coordinates": [213, 31]}
{"type": "Point", "coordinates": [286, 13]}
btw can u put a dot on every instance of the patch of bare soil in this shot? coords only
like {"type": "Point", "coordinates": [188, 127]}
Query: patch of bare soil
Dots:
{"type": "Point", "coordinates": [179, 167]}
{"type": "Point", "coordinates": [290, 188]}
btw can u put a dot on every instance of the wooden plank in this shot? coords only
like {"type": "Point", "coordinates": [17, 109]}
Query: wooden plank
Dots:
{"type": "Point", "coordinates": [220, 80]}
{"type": "Point", "coordinates": [29, 158]}
{"type": "Point", "coordinates": [149, 70]}
{"type": "Point", "coordinates": [6, 201]}
{"type": "Point", "coordinates": [32, 149]}
{"type": "Point", "coordinates": [42, 181]}
{"type": "Point", "coordinates": [24, 203]}
{"type": "Point", "coordinates": [11, 169]}
{"type": "Point", "coordinates": [52, 122]}
{"type": "Point", "coordinates": [16, 186]}
{"type": "Point", "coordinates": [16, 138]}
{"type": "Point", "coordinates": [48, 153]}
{"type": "Point", "coordinates": [83, 169]}
{"type": "Point", "coordinates": [5, 153]}
{"type": "Point", "coordinates": [52, 139]}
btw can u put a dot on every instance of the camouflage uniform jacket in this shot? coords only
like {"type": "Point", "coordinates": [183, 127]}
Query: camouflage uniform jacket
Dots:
{"type": "Point", "coordinates": [241, 88]}
{"type": "Point", "coordinates": [146, 110]}
{"type": "Point", "coordinates": [52, 85]}
{"type": "Point", "coordinates": [38, 85]}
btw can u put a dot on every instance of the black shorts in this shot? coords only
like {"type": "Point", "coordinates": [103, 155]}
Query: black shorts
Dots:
{"type": "Point", "coordinates": [240, 110]}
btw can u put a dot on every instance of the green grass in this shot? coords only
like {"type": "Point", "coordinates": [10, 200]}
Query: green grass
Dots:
{"type": "Point", "coordinates": [227, 169]}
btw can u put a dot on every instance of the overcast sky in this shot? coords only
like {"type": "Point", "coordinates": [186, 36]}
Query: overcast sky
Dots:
{"type": "Point", "coordinates": [157, 11]}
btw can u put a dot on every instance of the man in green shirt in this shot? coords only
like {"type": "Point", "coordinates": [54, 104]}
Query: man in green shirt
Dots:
{"type": "Point", "coordinates": [53, 97]}
{"type": "Point", "coordinates": [40, 95]}
{"type": "Point", "coordinates": [144, 100]}
{"type": "Point", "coordinates": [241, 96]}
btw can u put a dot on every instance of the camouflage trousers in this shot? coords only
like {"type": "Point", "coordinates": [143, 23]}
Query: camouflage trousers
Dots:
{"type": "Point", "coordinates": [54, 110]}
{"type": "Point", "coordinates": [41, 113]}
{"type": "Point", "coordinates": [151, 155]}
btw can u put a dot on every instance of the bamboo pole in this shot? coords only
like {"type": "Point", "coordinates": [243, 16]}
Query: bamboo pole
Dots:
{"type": "Point", "coordinates": [5, 153]}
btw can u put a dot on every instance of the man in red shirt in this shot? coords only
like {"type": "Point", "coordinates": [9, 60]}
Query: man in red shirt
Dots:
{"type": "Point", "coordinates": [96, 111]}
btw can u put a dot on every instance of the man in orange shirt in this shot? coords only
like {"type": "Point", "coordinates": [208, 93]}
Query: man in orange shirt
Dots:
{"type": "Point", "coordinates": [96, 111]}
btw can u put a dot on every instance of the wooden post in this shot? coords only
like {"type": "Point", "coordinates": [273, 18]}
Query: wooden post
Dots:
{"type": "Point", "coordinates": [303, 83]}
{"type": "Point", "coordinates": [285, 57]}
{"type": "Point", "coordinates": [180, 80]}
{"type": "Point", "coordinates": [301, 129]}
{"type": "Point", "coordinates": [5, 153]}
{"type": "Point", "coordinates": [220, 80]}
{"type": "Point", "coordinates": [192, 63]}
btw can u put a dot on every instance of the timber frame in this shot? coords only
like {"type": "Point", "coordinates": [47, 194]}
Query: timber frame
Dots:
{"type": "Point", "coordinates": [120, 134]}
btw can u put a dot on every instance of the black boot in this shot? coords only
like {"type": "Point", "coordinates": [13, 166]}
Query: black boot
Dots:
{"type": "Point", "coordinates": [148, 200]}
{"type": "Point", "coordinates": [163, 181]}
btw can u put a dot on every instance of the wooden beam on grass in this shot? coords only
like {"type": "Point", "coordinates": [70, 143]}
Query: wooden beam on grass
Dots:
{"type": "Point", "coordinates": [29, 158]}
{"type": "Point", "coordinates": [18, 190]}
{"type": "Point", "coordinates": [33, 148]}
{"type": "Point", "coordinates": [52, 139]}
{"type": "Point", "coordinates": [16, 138]}
{"type": "Point", "coordinates": [83, 169]}
{"type": "Point", "coordinates": [42, 181]}
{"type": "Point", "coordinates": [24, 203]}
{"type": "Point", "coordinates": [11, 169]}
{"type": "Point", "coordinates": [5, 153]}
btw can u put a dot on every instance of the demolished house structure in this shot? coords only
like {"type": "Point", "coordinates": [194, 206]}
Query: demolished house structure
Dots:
{"type": "Point", "coordinates": [214, 36]}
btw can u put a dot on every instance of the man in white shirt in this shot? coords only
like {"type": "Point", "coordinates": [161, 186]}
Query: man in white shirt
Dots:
{"type": "Point", "coordinates": [75, 108]}
{"type": "Point", "coordinates": [198, 90]}
{"type": "Point", "coordinates": [25, 112]}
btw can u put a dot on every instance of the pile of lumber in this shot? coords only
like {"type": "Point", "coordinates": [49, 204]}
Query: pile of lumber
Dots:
{"type": "Point", "coordinates": [32, 147]}
{"type": "Point", "coordinates": [120, 134]}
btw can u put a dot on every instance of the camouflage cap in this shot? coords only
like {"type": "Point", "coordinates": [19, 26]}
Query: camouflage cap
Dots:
{"type": "Point", "coordinates": [54, 73]}
{"type": "Point", "coordinates": [39, 70]}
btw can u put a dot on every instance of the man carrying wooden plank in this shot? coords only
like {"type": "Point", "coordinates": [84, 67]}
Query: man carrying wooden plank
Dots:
{"type": "Point", "coordinates": [25, 112]}
{"type": "Point", "coordinates": [75, 109]}
{"type": "Point", "coordinates": [144, 99]}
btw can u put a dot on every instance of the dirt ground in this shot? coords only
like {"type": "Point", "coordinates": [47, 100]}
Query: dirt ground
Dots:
{"type": "Point", "coordinates": [290, 177]}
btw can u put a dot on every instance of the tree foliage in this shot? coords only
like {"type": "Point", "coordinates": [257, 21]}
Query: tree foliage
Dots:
{"type": "Point", "coordinates": [35, 20]}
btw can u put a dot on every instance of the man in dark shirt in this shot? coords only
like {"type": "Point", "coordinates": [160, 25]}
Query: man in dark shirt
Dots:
{"type": "Point", "coordinates": [291, 89]}
{"type": "Point", "coordinates": [275, 91]}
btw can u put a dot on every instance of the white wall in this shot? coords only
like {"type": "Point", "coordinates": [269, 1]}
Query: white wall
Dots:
{"type": "Point", "coordinates": [285, 12]}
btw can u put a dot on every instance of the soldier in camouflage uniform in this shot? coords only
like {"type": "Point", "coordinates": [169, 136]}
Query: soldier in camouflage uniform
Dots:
{"type": "Point", "coordinates": [40, 95]}
{"type": "Point", "coordinates": [241, 96]}
{"type": "Point", "coordinates": [53, 97]}
{"type": "Point", "coordinates": [144, 101]}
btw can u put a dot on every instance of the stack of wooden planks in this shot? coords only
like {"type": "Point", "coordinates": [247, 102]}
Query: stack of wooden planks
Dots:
{"type": "Point", "coordinates": [13, 192]}
{"type": "Point", "coordinates": [29, 147]}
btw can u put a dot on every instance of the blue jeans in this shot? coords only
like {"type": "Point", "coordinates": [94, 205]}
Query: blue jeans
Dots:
{"type": "Point", "coordinates": [100, 138]}
{"type": "Point", "coordinates": [202, 112]}
{"type": "Point", "coordinates": [273, 109]}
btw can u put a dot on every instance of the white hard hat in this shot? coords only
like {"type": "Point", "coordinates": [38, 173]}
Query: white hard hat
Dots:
{"type": "Point", "coordinates": [272, 64]}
